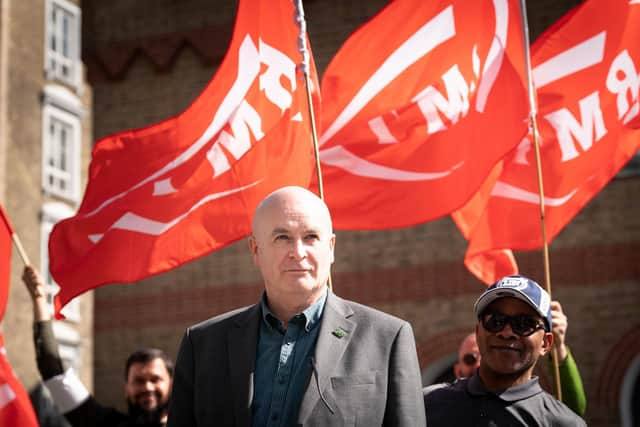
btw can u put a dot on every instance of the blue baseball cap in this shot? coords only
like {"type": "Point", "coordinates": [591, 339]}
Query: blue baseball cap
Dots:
{"type": "Point", "coordinates": [519, 287]}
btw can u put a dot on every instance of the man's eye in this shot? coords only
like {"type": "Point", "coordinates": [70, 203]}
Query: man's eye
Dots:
{"type": "Point", "coordinates": [312, 237]}
{"type": "Point", "coordinates": [281, 238]}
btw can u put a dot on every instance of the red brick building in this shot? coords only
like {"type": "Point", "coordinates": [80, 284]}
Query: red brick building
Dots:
{"type": "Point", "coordinates": [147, 60]}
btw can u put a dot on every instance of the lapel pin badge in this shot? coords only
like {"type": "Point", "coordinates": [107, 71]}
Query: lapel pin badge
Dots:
{"type": "Point", "coordinates": [339, 332]}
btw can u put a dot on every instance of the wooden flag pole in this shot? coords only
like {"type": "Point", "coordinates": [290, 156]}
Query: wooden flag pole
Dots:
{"type": "Point", "coordinates": [4, 219]}
{"type": "Point", "coordinates": [304, 67]}
{"type": "Point", "coordinates": [534, 130]}
{"type": "Point", "coordinates": [21, 252]}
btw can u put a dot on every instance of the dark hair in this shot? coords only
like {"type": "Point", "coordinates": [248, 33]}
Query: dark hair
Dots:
{"type": "Point", "coordinates": [146, 355]}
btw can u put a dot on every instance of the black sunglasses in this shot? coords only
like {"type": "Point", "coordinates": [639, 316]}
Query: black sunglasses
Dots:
{"type": "Point", "coordinates": [470, 359]}
{"type": "Point", "coordinates": [521, 324]}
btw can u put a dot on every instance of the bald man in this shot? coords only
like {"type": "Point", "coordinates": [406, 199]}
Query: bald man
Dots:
{"type": "Point", "coordinates": [468, 357]}
{"type": "Point", "coordinates": [301, 355]}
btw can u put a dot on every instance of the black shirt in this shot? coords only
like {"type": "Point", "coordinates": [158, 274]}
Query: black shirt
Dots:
{"type": "Point", "coordinates": [468, 403]}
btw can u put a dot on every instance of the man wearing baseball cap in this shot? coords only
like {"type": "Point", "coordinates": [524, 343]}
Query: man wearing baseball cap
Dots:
{"type": "Point", "coordinates": [513, 331]}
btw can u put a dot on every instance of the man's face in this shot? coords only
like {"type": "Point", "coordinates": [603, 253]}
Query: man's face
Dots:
{"type": "Point", "coordinates": [148, 386]}
{"type": "Point", "coordinates": [292, 245]}
{"type": "Point", "coordinates": [504, 353]}
{"type": "Point", "coordinates": [468, 357]}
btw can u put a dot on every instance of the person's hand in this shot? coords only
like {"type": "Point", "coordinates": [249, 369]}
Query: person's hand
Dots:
{"type": "Point", "coordinates": [559, 324]}
{"type": "Point", "coordinates": [35, 286]}
{"type": "Point", "coordinates": [33, 281]}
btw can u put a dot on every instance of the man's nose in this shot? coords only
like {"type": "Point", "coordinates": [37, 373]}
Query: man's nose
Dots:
{"type": "Point", "coordinates": [507, 332]}
{"type": "Point", "coordinates": [298, 249]}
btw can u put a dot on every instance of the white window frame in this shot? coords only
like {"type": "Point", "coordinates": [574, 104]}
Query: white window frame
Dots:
{"type": "Point", "coordinates": [52, 213]}
{"type": "Point", "coordinates": [55, 60]}
{"type": "Point", "coordinates": [61, 106]}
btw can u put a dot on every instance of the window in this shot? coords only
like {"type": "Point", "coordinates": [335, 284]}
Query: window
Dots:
{"type": "Point", "coordinates": [62, 44]}
{"type": "Point", "coordinates": [51, 214]}
{"type": "Point", "coordinates": [61, 141]}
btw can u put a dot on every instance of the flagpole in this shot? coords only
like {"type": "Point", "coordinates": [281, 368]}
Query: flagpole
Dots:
{"type": "Point", "coordinates": [304, 67]}
{"type": "Point", "coordinates": [4, 218]}
{"type": "Point", "coordinates": [536, 145]}
{"type": "Point", "coordinates": [21, 251]}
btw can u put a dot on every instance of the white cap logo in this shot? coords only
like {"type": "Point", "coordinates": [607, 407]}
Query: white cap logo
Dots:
{"type": "Point", "coordinates": [513, 283]}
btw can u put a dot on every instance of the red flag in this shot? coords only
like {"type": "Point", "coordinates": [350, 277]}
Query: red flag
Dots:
{"type": "Point", "coordinates": [416, 114]}
{"type": "Point", "coordinates": [15, 406]}
{"type": "Point", "coordinates": [163, 195]}
{"type": "Point", "coordinates": [6, 230]}
{"type": "Point", "coordinates": [586, 73]}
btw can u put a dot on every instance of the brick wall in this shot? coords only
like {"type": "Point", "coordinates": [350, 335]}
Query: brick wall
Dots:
{"type": "Point", "coordinates": [415, 273]}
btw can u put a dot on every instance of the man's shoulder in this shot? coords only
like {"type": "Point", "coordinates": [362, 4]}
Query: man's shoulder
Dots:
{"type": "Point", "coordinates": [224, 320]}
{"type": "Point", "coordinates": [370, 313]}
{"type": "Point", "coordinates": [445, 391]}
{"type": "Point", "coordinates": [431, 388]}
{"type": "Point", "coordinates": [447, 404]}
{"type": "Point", "coordinates": [562, 415]}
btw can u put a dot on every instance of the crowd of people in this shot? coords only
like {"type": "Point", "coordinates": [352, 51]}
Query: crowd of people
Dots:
{"type": "Point", "coordinates": [301, 355]}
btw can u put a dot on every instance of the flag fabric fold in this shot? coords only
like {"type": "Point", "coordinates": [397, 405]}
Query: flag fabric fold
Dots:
{"type": "Point", "coordinates": [6, 230]}
{"type": "Point", "coordinates": [586, 74]}
{"type": "Point", "coordinates": [416, 115]}
{"type": "Point", "coordinates": [15, 406]}
{"type": "Point", "coordinates": [163, 195]}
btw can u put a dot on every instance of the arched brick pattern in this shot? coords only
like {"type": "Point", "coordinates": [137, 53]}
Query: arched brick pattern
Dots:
{"type": "Point", "coordinates": [112, 62]}
{"type": "Point", "coordinates": [616, 364]}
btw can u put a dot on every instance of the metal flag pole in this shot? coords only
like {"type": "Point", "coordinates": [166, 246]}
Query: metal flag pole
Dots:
{"type": "Point", "coordinates": [304, 67]}
{"type": "Point", "coordinates": [536, 145]}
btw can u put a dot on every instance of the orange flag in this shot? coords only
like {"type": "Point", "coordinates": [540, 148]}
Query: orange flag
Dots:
{"type": "Point", "coordinates": [418, 106]}
{"type": "Point", "coordinates": [163, 195]}
{"type": "Point", "coordinates": [586, 73]}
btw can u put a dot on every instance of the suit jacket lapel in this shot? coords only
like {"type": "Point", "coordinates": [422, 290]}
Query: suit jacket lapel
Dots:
{"type": "Point", "coordinates": [334, 336]}
{"type": "Point", "coordinates": [242, 340]}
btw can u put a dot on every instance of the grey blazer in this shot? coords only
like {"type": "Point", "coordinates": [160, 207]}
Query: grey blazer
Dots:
{"type": "Point", "coordinates": [366, 377]}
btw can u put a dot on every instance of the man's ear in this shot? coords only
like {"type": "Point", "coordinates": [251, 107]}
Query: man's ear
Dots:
{"type": "Point", "coordinates": [456, 370]}
{"type": "Point", "coordinates": [332, 245]}
{"type": "Point", "coordinates": [547, 343]}
{"type": "Point", "coordinates": [253, 248]}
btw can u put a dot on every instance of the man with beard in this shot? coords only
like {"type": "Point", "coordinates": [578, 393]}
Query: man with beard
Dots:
{"type": "Point", "coordinates": [513, 331]}
{"type": "Point", "coordinates": [148, 376]}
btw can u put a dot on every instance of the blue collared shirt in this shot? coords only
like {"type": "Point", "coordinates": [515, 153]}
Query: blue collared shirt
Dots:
{"type": "Point", "coordinates": [283, 365]}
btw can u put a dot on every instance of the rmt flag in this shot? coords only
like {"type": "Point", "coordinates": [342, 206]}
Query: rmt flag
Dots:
{"type": "Point", "coordinates": [586, 70]}
{"type": "Point", "coordinates": [418, 106]}
{"type": "Point", "coordinates": [163, 195]}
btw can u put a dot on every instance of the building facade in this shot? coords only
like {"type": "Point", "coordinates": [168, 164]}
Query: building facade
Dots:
{"type": "Point", "coordinates": [45, 134]}
{"type": "Point", "coordinates": [147, 60]}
